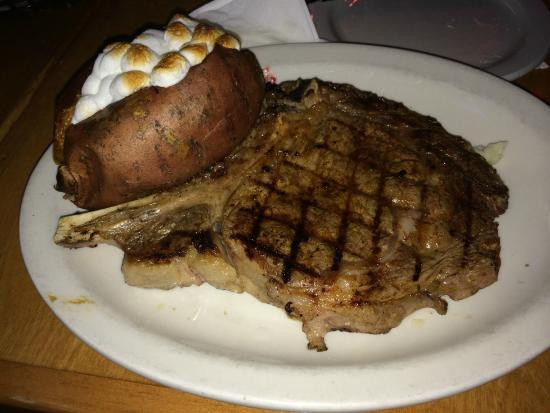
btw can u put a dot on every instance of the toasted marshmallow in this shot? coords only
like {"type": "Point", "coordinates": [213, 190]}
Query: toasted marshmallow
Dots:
{"type": "Point", "coordinates": [155, 57]}
{"type": "Point", "coordinates": [194, 53]}
{"type": "Point", "coordinates": [85, 107]}
{"type": "Point", "coordinates": [170, 70]}
{"type": "Point", "coordinates": [110, 62]}
{"type": "Point", "coordinates": [207, 35]}
{"type": "Point", "coordinates": [127, 83]}
{"type": "Point", "coordinates": [228, 41]}
{"type": "Point", "coordinates": [177, 34]}
{"type": "Point", "coordinates": [115, 45]}
{"type": "Point", "coordinates": [139, 57]}
{"type": "Point", "coordinates": [187, 21]}
{"type": "Point", "coordinates": [91, 85]}
{"type": "Point", "coordinates": [154, 40]}
{"type": "Point", "coordinates": [103, 96]}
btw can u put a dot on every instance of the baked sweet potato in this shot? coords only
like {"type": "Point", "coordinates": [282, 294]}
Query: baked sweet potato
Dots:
{"type": "Point", "coordinates": [157, 137]}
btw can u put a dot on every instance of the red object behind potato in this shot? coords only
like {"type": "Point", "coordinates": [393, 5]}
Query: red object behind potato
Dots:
{"type": "Point", "coordinates": [157, 137]}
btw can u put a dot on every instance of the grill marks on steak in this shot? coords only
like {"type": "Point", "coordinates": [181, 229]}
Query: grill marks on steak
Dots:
{"type": "Point", "coordinates": [360, 211]}
{"type": "Point", "coordinates": [346, 209]}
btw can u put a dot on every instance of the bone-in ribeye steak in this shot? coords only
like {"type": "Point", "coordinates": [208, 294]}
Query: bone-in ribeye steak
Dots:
{"type": "Point", "coordinates": [348, 210]}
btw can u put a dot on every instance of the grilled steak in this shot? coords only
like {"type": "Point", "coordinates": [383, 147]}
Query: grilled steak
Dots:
{"type": "Point", "coordinates": [347, 210]}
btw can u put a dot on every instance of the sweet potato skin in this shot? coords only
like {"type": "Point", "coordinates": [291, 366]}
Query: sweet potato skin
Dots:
{"type": "Point", "coordinates": [160, 137]}
{"type": "Point", "coordinates": [64, 109]}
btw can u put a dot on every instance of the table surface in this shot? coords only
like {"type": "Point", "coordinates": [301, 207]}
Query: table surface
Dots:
{"type": "Point", "coordinates": [42, 364]}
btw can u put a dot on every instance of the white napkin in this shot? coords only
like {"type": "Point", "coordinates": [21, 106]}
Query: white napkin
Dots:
{"type": "Point", "coordinates": [261, 22]}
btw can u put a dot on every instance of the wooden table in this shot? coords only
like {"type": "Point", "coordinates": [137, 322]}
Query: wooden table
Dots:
{"type": "Point", "coordinates": [43, 365]}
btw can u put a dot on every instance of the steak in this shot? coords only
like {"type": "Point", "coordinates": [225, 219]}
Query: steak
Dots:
{"type": "Point", "coordinates": [347, 210]}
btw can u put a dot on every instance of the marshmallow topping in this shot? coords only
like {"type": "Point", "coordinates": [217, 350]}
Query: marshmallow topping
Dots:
{"type": "Point", "coordinates": [154, 58]}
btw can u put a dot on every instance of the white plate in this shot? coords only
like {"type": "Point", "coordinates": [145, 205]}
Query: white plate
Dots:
{"type": "Point", "coordinates": [505, 37]}
{"type": "Point", "coordinates": [231, 347]}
